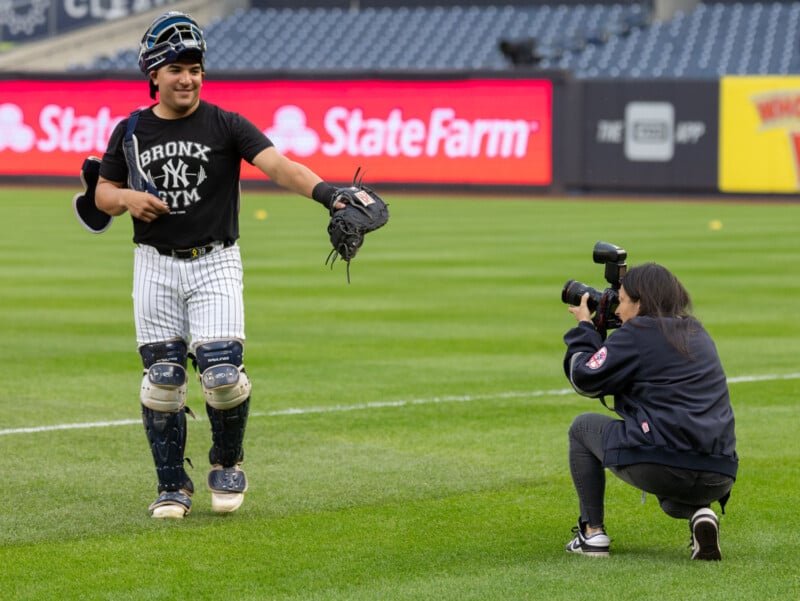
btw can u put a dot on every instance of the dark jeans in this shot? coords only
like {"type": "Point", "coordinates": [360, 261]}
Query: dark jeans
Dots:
{"type": "Point", "coordinates": [680, 492]}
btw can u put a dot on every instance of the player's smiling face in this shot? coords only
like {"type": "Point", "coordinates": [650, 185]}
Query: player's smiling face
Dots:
{"type": "Point", "coordinates": [179, 86]}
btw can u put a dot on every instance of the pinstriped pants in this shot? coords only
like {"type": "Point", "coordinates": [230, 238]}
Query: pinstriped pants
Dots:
{"type": "Point", "coordinates": [194, 300]}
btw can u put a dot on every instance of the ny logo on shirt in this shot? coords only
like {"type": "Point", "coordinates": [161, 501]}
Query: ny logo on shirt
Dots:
{"type": "Point", "coordinates": [178, 182]}
{"type": "Point", "coordinates": [175, 174]}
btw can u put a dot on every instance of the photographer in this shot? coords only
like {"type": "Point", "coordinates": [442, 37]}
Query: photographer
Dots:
{"type": "Point", "coordinates": [676, 437]}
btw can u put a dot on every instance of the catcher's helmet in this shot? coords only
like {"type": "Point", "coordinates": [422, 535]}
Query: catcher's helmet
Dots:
{"type": "Point", "coordinates": [171, 35]}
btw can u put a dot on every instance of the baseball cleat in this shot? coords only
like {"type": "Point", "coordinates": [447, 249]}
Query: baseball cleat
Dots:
{"type": "Point", "coordinates": [171, 505]}
{"type": "Point", "coordinates": [227, 486]}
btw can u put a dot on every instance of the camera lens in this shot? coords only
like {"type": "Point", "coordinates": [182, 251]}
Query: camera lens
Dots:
{"type": "Point", "coordinates": [574, 290]}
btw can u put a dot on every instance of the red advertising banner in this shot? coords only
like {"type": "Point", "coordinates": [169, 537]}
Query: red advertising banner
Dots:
{"type": "Point", "coordinates": [471, 131]}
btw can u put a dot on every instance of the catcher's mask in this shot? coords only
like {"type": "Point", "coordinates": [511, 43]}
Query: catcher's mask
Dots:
{"type": "Point", "coordinates": [172, 35]}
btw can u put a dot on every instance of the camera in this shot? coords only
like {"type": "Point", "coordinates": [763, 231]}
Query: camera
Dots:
{"type": "Point", "coordinates": [604, 303]}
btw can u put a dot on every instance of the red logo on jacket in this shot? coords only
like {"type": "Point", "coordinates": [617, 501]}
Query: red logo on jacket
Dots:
{"type": "Point", "coordinates": [597, 360]}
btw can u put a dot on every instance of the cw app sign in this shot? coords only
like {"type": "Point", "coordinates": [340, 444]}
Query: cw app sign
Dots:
{"type": "Point", "coordinates": [760, 134]}
{"type": "Point", "coordinates": [647, 135]}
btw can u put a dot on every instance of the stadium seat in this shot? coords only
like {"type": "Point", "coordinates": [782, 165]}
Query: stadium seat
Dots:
{"type": "Point", "coordinates": [590, 40]}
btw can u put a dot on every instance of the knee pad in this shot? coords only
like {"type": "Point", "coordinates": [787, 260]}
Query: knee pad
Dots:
{"type": "Point", "coordinates": [225, 383]}
{"type": "Point", "coordinates": [164, 380]}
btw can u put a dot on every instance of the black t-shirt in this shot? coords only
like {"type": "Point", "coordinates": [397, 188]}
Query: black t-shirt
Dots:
{"type": "Point", "coordinates": [195, 163]}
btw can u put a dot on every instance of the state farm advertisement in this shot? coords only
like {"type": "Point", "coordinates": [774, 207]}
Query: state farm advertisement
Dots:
{"type": "Point", "coordinates": [471, 131]}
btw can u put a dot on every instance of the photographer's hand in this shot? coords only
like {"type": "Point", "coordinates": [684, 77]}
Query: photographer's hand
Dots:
{"type": "Point", "coordinates": [582, 312]}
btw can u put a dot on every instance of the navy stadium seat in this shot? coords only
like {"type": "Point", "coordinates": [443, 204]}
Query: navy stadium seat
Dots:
{"type": "Point", "coordinates": [590, 40]}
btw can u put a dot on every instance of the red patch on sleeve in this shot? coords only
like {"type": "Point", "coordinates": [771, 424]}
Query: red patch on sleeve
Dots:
{"type": "Point", "coordinates": [597, 360]}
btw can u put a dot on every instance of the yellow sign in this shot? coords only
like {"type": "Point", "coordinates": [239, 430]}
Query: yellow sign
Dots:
{"type": "Point", "coordinates": [759, 134]}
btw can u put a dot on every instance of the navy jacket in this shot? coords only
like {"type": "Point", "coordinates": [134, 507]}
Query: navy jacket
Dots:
{"type": "Point", "coordinates": [675, 410]}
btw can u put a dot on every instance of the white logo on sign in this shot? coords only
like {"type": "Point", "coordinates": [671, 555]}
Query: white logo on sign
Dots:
{"type": "Point", "coordinates": [14, 134]}
{"type": "Point", "coordinates": [290, 132]}
{"type": "Point", "coordinates": [649, 131]}
{"type": "Point", "coordinates": [353, 133]}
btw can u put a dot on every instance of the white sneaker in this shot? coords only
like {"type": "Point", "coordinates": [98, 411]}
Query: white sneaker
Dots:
{"type": "Point", "coordinates": [595, 545]}
{"type": "Point", "coordinates": [705, 535]}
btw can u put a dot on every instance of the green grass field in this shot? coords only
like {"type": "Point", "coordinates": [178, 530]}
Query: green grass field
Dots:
{"type": "Point", "coordinates": [408, 435]}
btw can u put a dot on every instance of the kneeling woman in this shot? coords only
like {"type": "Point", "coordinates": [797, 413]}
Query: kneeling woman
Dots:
{"type": "Point", "coordinates": [675, 438]}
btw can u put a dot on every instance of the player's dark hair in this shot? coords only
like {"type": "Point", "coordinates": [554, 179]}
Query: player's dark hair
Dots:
{"type": "Point", "coordinates": [661, 295]}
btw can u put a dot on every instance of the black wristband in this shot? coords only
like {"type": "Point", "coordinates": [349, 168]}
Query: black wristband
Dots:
{"type": "Point", "coordinates": [323, 193]}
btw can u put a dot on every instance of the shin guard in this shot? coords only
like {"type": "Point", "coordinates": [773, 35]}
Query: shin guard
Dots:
{"type": "Point", "coordinates": [227, 434]}
{"type": "Point", "coordinates": [166, 433]}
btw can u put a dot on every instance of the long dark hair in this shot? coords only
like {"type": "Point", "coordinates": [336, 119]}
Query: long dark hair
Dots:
{"type": "Point", "coordinates": [660, 295]}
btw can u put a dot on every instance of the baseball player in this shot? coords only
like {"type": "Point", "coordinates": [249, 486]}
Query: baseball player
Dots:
{"type": "Point", "coordinates": [175, 168]}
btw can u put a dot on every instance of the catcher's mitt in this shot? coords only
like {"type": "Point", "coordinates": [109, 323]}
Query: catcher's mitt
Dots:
{"type": "Point", "coordinates": [364, 212]}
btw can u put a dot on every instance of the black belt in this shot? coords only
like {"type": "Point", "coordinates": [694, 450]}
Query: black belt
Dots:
{"type": "Point", "coordinates": [186, 253]}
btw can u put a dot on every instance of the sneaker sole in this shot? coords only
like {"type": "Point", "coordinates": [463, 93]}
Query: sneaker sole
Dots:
{"type": "Point", "coordinates": [588, 552]}
{"type": "Point", "coordinates": [706, 534]}
{"type": "Point", "coordinates": [592, 553]}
